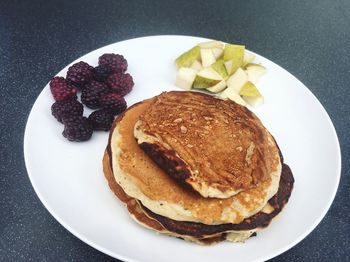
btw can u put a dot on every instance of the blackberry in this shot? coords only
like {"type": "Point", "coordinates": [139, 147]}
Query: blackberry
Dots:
{"type": "Point", "coordinates": [120, 83]}
{"type": "Point", "coordinates": [101, 73]}
{"type": "Point", "coordinates": [117, 63]}
{"type": "Point", "coordinates": [80, 74]}
{"type": "Point", "coordinates": [101, 119]}
{"type": "Point", "coordinates": [61, 90]}
{"type": "Point", "coordinates": [113, 102]}
{"type": "Point", "coordinates": [91, 93]}
{"type": "Point", "coordinates": [77, 128]}
{"type": "Point", "coordinates": [66, 107]}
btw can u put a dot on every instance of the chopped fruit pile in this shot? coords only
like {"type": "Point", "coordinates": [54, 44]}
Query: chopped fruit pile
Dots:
{"type": "Point", "coordinates": [102, 88]}
{"type": "Point", "coordinates": [225, 69]}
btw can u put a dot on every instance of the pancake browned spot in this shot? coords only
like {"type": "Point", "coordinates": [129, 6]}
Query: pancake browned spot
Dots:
{"type": "Point", "coordinates": [216, 146]}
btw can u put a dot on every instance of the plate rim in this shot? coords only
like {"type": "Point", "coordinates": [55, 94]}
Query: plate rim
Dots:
{"type": "Point", "coordinates": [126, 258]}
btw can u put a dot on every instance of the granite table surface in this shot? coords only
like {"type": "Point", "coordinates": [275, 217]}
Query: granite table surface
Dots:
{"type": "Point", "coordinates": [310, 39]}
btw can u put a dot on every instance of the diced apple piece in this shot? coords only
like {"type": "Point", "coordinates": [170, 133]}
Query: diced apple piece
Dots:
{"type": "Point", "coordinates": [218, 87]}
{"type": "Point", "coordinates": [232, 66]}
{"type": "Point", "coordinates": [187, 58]}
{"type": "Point", "coordinates": [233, 52]}
{"type": "Point", "coordinates": [228, 66]}
{"type": "Point", "coordinates": [254, 101]}
{"type": "Point", "coordinates": [249, 89]}
{"type": "Point", "coordinates": [206, 78]}
{"type": "Point", "coordinates": [248, 58]}
{"type": "Point", "coordinates": [185, 77]}
{"type": "Point", "coordinates": [234, 85]}
{"type": "Point", "coordinates": [254, 72]}
{"type": "Point", "coordinates": [218, 52]}
{"type": "Point", "coordinates": [208, 57]}
{"type": "Point", "coordinates": [237, 80]}
{"type": "Point", "coordinates": [232, 95]}
{"type": "Point", "coordinates": [219, 67]}
{"type": "Point", "coordinates": [233, 57]}
{"type": "Point", "coordinates": [196, 65]}
{"type": "Point", "coordinates": [211, 44]}
{"type": "Point", "coordinates": [251, 94]}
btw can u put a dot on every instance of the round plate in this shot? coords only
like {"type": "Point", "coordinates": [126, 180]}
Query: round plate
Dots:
{"type": "Point", "coordinates": [68, 176]}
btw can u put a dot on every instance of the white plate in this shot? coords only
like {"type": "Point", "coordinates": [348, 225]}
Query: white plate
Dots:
{"type": "Point", "coordinates": [69, 181]}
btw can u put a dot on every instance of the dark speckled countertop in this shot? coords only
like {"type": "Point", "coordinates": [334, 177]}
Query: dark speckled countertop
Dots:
{"type": "Point", "coordinates": [311, 39]}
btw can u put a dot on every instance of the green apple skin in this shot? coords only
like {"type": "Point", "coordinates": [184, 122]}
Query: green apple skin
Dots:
{"type": "Point", "coordinates": [206, 78]}
{"type": "Point", "coordinates": [219, 67]}
{"type": "Point", "coordinates": [187, 58]}
{"type": "Point", "coordinates": [218, 87]}
{"type": "Point", "coordinates": [233, 57]}
{"type": "Point", "coordinates": [249, 89]}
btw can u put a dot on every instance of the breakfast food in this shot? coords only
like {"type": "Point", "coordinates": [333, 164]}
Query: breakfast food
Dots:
{"type": "Point", "coordinates": [120, 83]}
{"type": "Point", "coordinates": [66, 107]}
{"type": "Point", "coordinates": [101, 119]}
{"type": "Point", "coordinates": [102, 87]}
{"type": "Point", "coordinates": [157, 199]}
{"type": "Point", "coordinates": [218, 151]}
{"type": "Point", "coordinates": [224, 69]}
{"type": "Point", "coordinates": [80, 74]}
{"type": "Point", "coordinates": [113, 102]}
{"type": "Point", "coordinates": [76, 128]}
{"type": "Point", "coordinates": [92, 92]}
{"type": "Point", "coordinates": [61, 90]}
{"type": "Point", "coordinates": [115, 62]}
{"type": "Point", "coordinates": [101, 73]}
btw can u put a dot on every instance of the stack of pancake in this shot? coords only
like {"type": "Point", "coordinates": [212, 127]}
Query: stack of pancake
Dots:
{"type": "Point", "coordinates": [196, 167]}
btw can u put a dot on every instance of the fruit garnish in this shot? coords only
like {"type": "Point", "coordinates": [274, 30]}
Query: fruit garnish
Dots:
{"type": "Point", "coordinates": [80, 74]}
{"type": "Point", "coordinates": [120, 83]}
{"type": "Point", "coordinates": [66, 107]}
{"type": "Point", "coordinates": [116, 63]}
{"type": "Point", "coordinates": [102, 87]}
{"type": "Point", "coordinates": [77, 128]}
{"type": "Point", "coordinates": [92, 92]}
{"type": "Point", "coordinates": [220, 68]}
{"type": "Point", "coordinates": [187, 58]}
{"type": "Point", "coordinates": [101, 72]}
{"type": "Point", "coordinates": [101, 119]}
{"type": "Point", "coordinates": [61, 90]}
{"type": "Point", "coordinates": [113, 102]}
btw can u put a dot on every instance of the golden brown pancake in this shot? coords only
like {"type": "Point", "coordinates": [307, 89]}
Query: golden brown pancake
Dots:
{"type": "Point", "coordinates": [197, 232]}
{"type": "Point", "coordinates": [257, 221]}
{"type": "Point", "coordinates": [217, 147]}
{"type": "Point", "coordinates": [142, 179]}
{"type": "Point", "coordinates": [137, 213]}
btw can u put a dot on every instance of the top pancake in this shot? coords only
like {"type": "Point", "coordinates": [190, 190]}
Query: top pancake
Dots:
{"type": "Point", "coordinates": [142, 179]}
{"type": "Point", "coordinates": [217, 147]}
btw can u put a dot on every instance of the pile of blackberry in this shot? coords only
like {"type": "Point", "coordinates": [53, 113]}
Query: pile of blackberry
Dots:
{"type": "Point", "coordinates": [102, 87]}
